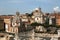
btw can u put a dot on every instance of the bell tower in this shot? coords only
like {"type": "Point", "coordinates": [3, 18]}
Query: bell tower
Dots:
{"type": "Point", "coordinates": [16, 22]}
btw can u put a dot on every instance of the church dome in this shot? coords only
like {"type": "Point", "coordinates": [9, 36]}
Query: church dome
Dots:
{"type": "Point", "coordinates": [37, 9]}
{"type": "Point", "coordinates": [17, 13]}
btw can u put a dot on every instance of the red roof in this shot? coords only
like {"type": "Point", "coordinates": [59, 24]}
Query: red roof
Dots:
{"type": "Point", "coordinates": [5, 17]}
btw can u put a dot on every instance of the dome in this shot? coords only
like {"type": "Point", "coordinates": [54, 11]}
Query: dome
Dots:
{"type": "Point", "coordinates": [17, 13]}
{"type": "Point", "coordinates": [37, 8]}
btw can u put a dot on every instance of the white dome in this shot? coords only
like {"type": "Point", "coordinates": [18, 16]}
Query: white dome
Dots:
{"type": "Point", "coordinates": [36, 8]}
{"type": "Point", "coordinates": [39, 9]}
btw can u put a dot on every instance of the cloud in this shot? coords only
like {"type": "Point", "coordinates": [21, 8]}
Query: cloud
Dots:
{"type": "Point", "coordinates": [57, 9]}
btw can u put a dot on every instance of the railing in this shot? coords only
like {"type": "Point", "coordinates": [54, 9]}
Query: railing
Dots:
{"type": "Point", "coordinates": [39, 34]}
{"type": "Point", "coordinates": [46, 35]}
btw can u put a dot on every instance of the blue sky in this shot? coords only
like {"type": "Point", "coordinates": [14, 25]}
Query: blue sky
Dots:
{"type": "Point", "coordinates": [23, 6]}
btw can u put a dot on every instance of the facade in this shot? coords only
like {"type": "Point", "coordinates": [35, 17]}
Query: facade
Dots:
{"type": "Point", "coordinates": [58, 19]}
{"type": "Point", "coordinates": [2, 27]}
{"type": "Point", "coordinates": [40, 29]}
{"type": "Point", "coordinates": [31, 35]}
{"type": "Point", "coordinates": [38, 15]}
{"type": "Point", "coordinates": [6, 36]}
{"type": "Point", "coordinates": [55, 18]}
{"type": "Point", "coordinates": [7, 22]}
{"type": "Point", "coordinates": [8, 25]}
{"type": "Point", "coordinates": [3, 36]}
{"type": "Point", "coordinates": [14, 24]}
{"type": "Point", "coordinates": [24, 18]}
{"type": "Point", "coordinates": [52, 20]}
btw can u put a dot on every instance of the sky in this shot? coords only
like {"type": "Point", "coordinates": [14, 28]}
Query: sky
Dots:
{"type": "Point", "coordinates": [27, 6]}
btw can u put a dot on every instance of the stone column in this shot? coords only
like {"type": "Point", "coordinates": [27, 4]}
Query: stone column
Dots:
{"type": "Point", "coordinates": [33, 34]}
{"type": "Point", "coordinates": [54, 38]}
{"type": "Point", "coordinates": [58, 32]}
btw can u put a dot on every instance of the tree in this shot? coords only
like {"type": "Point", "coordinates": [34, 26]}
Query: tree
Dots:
{"type": "Point", "coordinates": [29, 15]}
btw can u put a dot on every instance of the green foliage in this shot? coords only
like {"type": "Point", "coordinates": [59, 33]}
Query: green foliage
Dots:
{"type": "Point", "coordinates": [35, 24]}
{"type": "Point", "coordinates": [46, 25]}
{"type": "Point", "coordinates": [29, 14]}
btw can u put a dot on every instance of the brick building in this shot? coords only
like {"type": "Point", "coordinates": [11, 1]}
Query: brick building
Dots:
{"type": "Point", "coordinates": [2, 27]}
{"type": "Point", "coordinates": [55, 18]}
